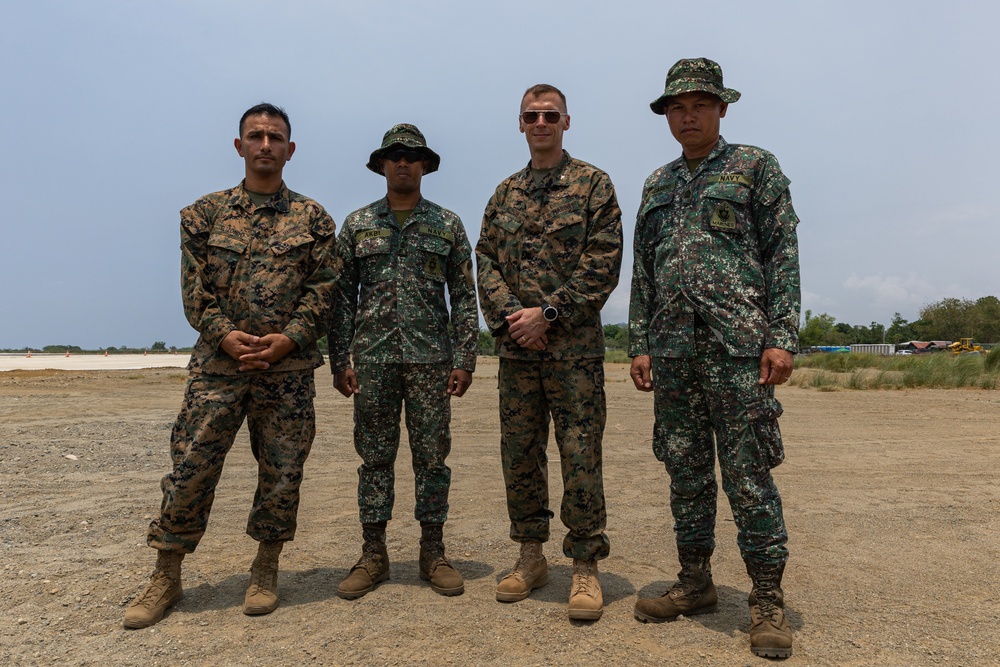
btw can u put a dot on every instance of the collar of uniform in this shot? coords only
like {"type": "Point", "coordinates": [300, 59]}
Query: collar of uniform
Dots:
{"type": "Point", "coordinates": [720, 147]}
{"type": "Point", "coordinates": [526, 180]}
{"type": "Point", "coordinates": [279, 202]}
{"type": "Point", "coordinates": [383, 210]}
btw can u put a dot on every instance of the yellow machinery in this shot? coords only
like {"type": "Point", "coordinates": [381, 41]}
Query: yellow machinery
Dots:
{"type": "Point", "coordinates": [963, 346]}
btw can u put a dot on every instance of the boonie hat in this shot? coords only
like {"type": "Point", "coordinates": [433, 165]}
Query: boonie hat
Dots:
{"type": "Point", "coordinates": [690, 75]}
{"type": "Point", "coordinates": [406, 135]}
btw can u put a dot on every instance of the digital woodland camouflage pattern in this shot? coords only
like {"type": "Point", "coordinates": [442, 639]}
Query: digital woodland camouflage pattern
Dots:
{"type": "Point", "coordinates": [555, 242]}
{"type": "Point", "coordinates": [715, 281]}
{"type": "Point", "coordinates": [281, 420]}
{"type": "Point", "coordinates": [257, 269]}
{"type": "Point", "coordinates": [717, 394]}
{"type": "Point", "coordinates": [383, 390]}
{"type": "Point", "coordinates": [573, 392]}
{"type": "Point", "coordinates": [401, 313]}
{"type": "Point", "coordinates": [693, 75]}
{"type": "Point", "coordinates": [722, 243]}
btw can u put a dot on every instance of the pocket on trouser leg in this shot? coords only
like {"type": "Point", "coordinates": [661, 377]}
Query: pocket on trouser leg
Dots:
{"type": "Point", "coordinates": [763, 416]}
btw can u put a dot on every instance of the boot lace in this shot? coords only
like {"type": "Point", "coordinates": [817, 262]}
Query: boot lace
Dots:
{"type": "Point", "coordinates": [583, 580]}
{"type": "Point", "coordinates": [159, 584]}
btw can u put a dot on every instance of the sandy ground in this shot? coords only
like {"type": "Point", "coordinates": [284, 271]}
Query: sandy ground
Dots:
{"type": "Point", "coordinates": [891, 499]}
{"type": "Point", "coordinates": [90, 362]}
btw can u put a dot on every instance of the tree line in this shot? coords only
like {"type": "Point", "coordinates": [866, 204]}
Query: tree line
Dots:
{"type": "Point", "coordinates": [948, 319]}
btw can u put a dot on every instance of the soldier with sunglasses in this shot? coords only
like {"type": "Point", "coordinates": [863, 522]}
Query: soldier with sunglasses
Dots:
{"type": "Point", "coordinates": [548, 258]}
{"type": "Point", "coordinates": [390, 311]}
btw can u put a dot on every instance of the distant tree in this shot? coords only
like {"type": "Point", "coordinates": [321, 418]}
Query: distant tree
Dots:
{"type": "Point", "coordinates": [820, 330]}
{"type": "Point", "coordinates": [159, 346]}
{"type": "Point", "coordinates": [616, 336]}
{"type": "Point", "coordinates": [486, 343]}
{"type": "Point", "coordinates": [899, 331]}
{"type": "Point", "coordinates": [948, 319]}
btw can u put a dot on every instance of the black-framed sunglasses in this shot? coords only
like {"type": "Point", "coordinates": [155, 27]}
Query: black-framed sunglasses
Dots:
{"type": "Point", "coordinates": [551, 117]}
{"type": "Point", "coordinates": [410, 155]}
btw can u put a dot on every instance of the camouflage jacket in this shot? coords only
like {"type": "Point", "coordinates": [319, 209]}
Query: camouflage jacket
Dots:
{"type": "Point", "coordinates": [557, 243]}
{"type": "Point", "coordinates": [257, 269]}
{"type": "Point", "coordinates": [718, 244]}
{"type": "Point", "coordinates": [390, 301]}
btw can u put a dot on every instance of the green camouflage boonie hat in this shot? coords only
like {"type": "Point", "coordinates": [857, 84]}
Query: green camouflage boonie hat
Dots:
{"type": "Point", "coordinates": [406, 135]}
{"type": "Point", "coordinates": [694, 74]}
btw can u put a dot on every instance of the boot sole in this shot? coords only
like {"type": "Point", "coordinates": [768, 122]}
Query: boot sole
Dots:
{"type": "Point", "coordinates": [585, 614]}
{"type": "Point", "coordinates": [457, 590]}
{"type": "Point", "coordinates": [765, 652]}
{"type": "Point", "coordinates": [517, 597]}
{"type": "Point", "coordinates": [354, 595]}
{"type": "Point", "coordinates": [646, 618]}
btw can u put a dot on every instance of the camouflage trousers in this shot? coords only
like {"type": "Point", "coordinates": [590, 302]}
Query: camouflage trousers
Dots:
{"type": "Point", "coordinates": [717, 395]}
{"type": "Point", "coordinates": [279, 411]}
{"type": "Point", "coordinates": [571, 392]}
{"type": "Point", "coordinates": [383, 389]}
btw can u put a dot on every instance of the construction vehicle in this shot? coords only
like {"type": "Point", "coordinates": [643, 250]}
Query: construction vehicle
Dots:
{"type": "Point", "coordinates": [965, 346]}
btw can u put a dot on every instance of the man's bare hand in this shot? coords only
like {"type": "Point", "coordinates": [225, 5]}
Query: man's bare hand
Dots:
{"type": "Point", "coordinates": [775, 366]}
{"type": "Point", "coordinates": [459, 381]}
{"type": "Point", "coordinates": [239, 343]}
{"type": "Point", "coordinates": [527, 327]}
{"type": "Point", "coordinates": [346, 382]}
{"type": "Point", "coordinates": [273, 347]}
{"type": "Point", "coordinates": [641, 372]}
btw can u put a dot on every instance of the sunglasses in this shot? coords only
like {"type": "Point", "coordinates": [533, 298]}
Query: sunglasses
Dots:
{"type": "Point", "coordinates": [409, 155]}
{"type": "Point", "coordinates": [551, 117]}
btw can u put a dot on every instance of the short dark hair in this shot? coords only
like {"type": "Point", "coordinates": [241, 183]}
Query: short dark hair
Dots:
{"type": "Point", "coordinates": [542, 89]}
{"type": "Point", "coordinates": [266, 109]}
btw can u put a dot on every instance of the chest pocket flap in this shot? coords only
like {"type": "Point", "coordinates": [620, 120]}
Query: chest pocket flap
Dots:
{"type": "Point", "coordinates": [734, 192]}
{"type": "Point", "coordinates": [293, 241]}
{"type": "Point", "coordinates": [372, 242]}
{"type": "Point", "coordinates": [507, 222]}
{"type": "Point", "coordinates": [229, 242]}
{"type": "Point", "coordinates": [434, 244]}
{"type": "Point", "coordinates": [656, 200]}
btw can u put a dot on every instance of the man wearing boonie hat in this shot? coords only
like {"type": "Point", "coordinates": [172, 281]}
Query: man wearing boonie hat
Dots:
{"type": "Point", "coordinates": [391, 312]}
{"type": "Point", "coordinates": [713, 325]}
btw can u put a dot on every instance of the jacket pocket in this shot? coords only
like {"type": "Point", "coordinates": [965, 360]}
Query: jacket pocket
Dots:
{"type": "Point", "coordinates": [763, 416]}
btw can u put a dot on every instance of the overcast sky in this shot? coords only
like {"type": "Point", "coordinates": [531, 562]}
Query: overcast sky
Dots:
{"type": "Point", "coordinates": [120, 113]}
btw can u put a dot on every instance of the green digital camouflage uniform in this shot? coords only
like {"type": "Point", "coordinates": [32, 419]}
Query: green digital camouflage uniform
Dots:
{"type": "Point", "coordinates": [554, 242]}
{"type": "Point", "coordinates": [715, 282]}
{"type": "Point", "coordinates": [258, 269]}
{"type": "Point", "coordinates": [391, 310]}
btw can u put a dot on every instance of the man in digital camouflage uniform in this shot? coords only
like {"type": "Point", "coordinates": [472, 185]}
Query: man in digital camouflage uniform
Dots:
{"type": "Point", "coordinates": [399, 254]}
{"type": "Point", "coordinates": [258, 269]}
{"type": "Point", "coordinates": [712, 328]}
{"type": "Point", "coordinates": [548, 258]}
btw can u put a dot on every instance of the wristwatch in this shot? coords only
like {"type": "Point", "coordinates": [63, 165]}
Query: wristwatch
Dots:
{"type": "Point", "coordinates": [549, 313]}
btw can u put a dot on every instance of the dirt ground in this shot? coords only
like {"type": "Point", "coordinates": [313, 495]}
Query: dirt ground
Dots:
{"type": "Point", "coordinates": [891, 500]}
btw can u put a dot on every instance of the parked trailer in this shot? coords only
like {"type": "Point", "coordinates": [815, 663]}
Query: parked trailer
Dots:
{"type": "Point", "coordinates": [884, 349]}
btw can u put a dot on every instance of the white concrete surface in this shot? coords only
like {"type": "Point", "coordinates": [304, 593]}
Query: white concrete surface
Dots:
{"type": "Point", "coordinates": [90, 362]}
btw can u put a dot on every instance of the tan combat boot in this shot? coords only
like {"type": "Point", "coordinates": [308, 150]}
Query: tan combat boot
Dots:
{"type": "Point", "coordinates": [694, 593]}
{"type": "Point", "coordinates": [531, 571]}
{"type": "Point", "coordinates": [262, 593]}
{"type": "Point", "coordinates": [434, 567]}
{"type": "Point", "coordinates": [770, 635]}
{"type": "Point", "coordinates": [586, 602]}
{"type": "Point", "coordinates": [371, 568]}
{"type": "Point", "coordinates": [162, 591]}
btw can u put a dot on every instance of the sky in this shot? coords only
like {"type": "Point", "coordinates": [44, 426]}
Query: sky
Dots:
{"type": "Point", "coordinates": [120, 113]}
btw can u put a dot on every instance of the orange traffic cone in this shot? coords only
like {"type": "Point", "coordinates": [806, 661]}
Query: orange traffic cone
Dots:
{"type": "Point", "coordinates": [67, 353]}
{"type": "Point", "coordinates": [29, 354]}
{"type": "Point", "coordinates": [144, 353]}
{"type": "Point", "coordinates": [105, 353]}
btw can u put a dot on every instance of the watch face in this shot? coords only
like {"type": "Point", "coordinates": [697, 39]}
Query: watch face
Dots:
{"type": "Point", "coordinates": [550, 313]}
